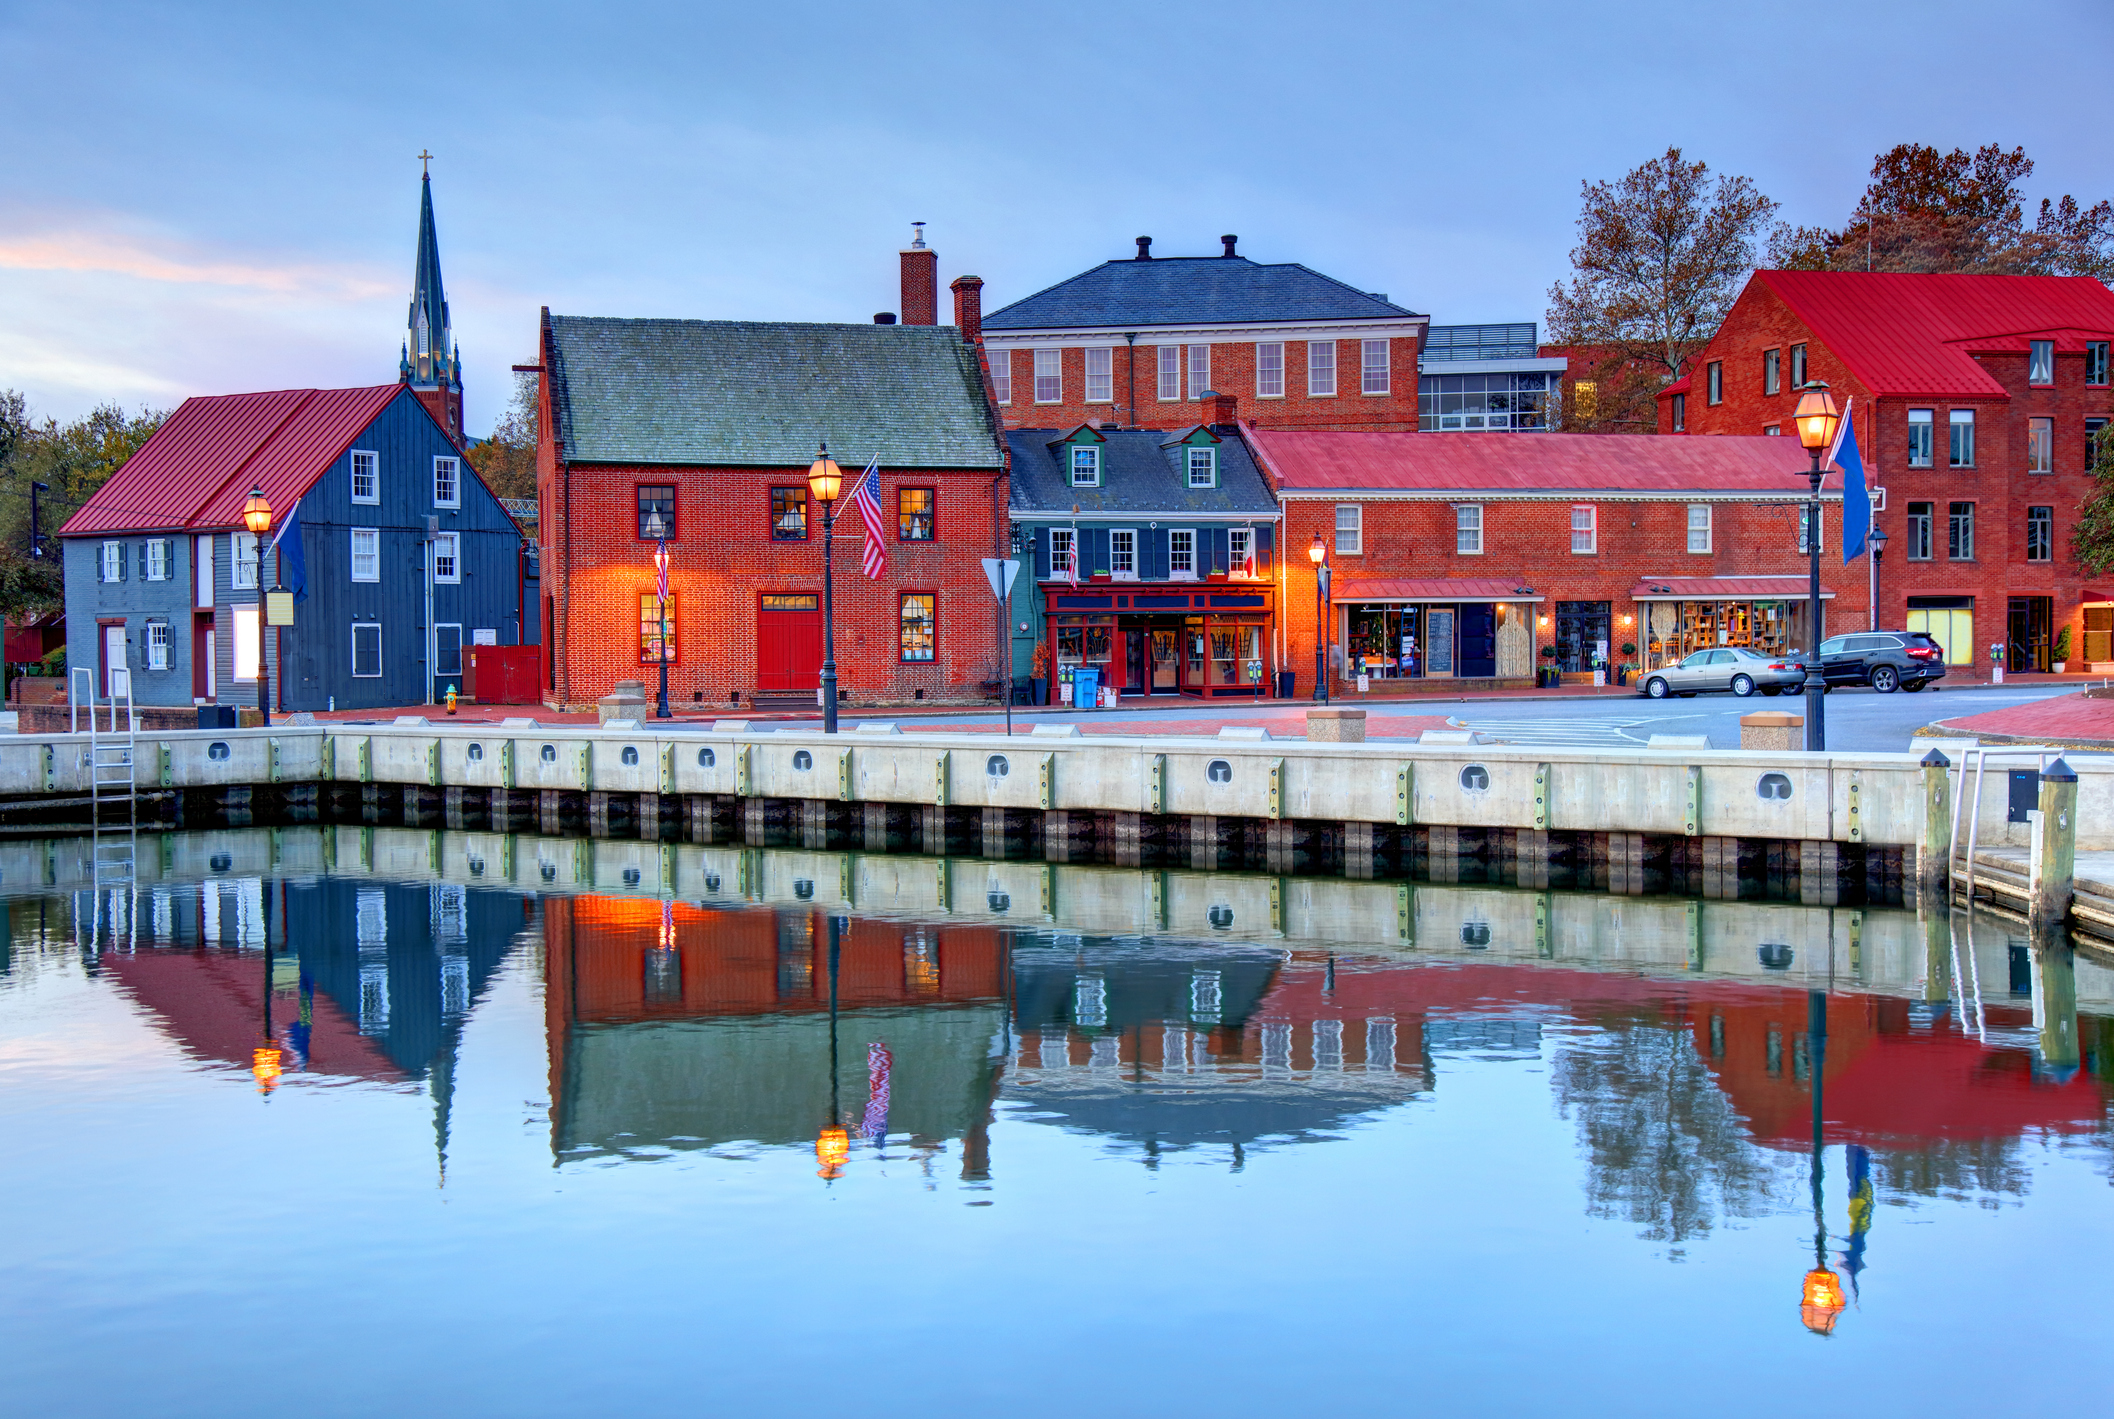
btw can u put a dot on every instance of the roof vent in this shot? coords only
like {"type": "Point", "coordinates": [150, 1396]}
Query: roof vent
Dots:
{"type": "Point", "coordinates": [1376, 295]}
{"type": "Point", "coordinates": [1229, 241]}
{"type": "Point", "coordinates": [917, 236]}
{"type": "Point", "coordinates": [884, 317]}
{"type": "Point", "coordinates": [1144, 249]}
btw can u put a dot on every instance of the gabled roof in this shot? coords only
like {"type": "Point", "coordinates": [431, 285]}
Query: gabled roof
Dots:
{"type": "Point", "coordinates": [1140, 474]}
{"type": "Point", "coordinates": [1911, 334]}
{"type": "Point", "coordinates": [201, 464]}
{"type": "Point", "coordinates": [1527, 464]}
{"type": "Point", "coordinates": [764, 393]}
{"type": "Point", "coordinates": [1191, 290]}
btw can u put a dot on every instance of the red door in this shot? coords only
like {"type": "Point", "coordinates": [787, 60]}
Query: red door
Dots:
{"type": "Point", "coordinates": [789, 642]}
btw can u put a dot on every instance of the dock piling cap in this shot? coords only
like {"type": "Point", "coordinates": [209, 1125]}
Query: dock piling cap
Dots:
{"type": "Point", "coordinates": [1936, 760]}
{"type": "Point", "coordinates": [2059, 772]}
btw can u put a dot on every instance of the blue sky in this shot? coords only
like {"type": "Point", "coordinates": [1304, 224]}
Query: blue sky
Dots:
{"type": "Point", "coordinates": [209, 198]}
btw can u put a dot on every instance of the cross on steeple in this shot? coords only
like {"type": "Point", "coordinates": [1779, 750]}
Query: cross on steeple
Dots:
{"type": "Point", "coordinates": [425, 160]}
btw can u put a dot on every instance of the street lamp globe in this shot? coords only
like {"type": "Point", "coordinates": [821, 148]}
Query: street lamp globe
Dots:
{"type": "Point", "coordinates": [1878, 540]}
{"type": "Point", "coordinates": [1815, 415]}
{"type": "Point", "coordinates": [256, 512]}
{"type": "Point", "coordinates": [824, 477]}
{"type": "Point", "coordinates": [1316, 553]}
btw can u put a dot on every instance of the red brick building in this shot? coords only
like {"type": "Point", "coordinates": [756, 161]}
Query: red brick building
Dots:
{"type": "Point", "coordinates": [710, 426]}
{"type": "Point", "coordinates": [1457, 558]}
{"type": "Point", "coordinates": [1974, 399]}
{"type": "Point", "coordinates": [1135, 343]}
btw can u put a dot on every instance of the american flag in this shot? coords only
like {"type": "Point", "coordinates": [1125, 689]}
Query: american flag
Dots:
{"type": "Point", "coordinates": [868, 501]}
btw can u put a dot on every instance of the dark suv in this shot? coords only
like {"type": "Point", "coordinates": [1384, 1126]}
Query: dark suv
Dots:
{"type": "Point", "coordinates": [1885, 660]}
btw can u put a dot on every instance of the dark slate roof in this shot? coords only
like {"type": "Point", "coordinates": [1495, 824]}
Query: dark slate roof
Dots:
{"type": "Point", "coordinates": [763, 392]}
{"type": "Point", "coordinates": [1191, 290]}
{"type": "Point", "coordinates": [1141, 472]}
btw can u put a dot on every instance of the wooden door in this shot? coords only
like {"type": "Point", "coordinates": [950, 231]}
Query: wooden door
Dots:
{"type": "Point", "coordinates": [202, 656]}
{"type": "Point", "coordinates": [1165, 663]}
{"type": "Point", "coordinates": [789, 642]}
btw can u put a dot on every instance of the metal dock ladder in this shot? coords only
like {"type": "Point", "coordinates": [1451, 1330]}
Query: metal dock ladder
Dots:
{"type": "Point", "coordinates": [112, 769]}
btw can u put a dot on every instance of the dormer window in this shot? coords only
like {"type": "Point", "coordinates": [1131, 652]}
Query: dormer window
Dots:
{"type": "Point", "coordinates": [2040, 362]}
{"type": "Point", "coordinates": [1203, 468]}
{"type": "Point", "coordinates": [1086, 466]}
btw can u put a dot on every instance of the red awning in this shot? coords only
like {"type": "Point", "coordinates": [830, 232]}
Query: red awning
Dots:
{"type": "Point", "coordinates": [1433, 589]}
{"type": "Point", "coordinates": [1724, 588]}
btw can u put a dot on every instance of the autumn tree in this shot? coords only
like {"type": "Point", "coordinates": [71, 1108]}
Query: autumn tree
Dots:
{"type": "Point", "coordinates": [2092, 540]}
{"type": "Point", "coordinates": [507, 460]}
{"type": "Point", "coordinates": [1661, 256]}
{"type": "Point", "coordinates": [1927, 211]}
{"type": "Point", "coordinates": [72, 460]}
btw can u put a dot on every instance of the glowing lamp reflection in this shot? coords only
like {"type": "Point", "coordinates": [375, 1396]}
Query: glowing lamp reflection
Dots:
{"type": "Point", "coordinates": [832, 1150]}
{"type": "Point", "coordinates": [1821, 1300]}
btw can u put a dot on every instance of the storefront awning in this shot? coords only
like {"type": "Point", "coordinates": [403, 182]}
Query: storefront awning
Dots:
{"type": "Point", "coordinates": [2098, 595]}
{"type": "Point", "coordinates": [1407, 590]}
{"type": "Point", "coordinates": [1724, 588]}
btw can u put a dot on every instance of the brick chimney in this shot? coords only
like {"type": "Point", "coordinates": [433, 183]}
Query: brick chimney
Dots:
{"type": "Point", "coordinates": [1219, 411]}
{"type": "Point", "coordinates": [921, 281]}
{"type": "Point", "coordinates": [969, 308]}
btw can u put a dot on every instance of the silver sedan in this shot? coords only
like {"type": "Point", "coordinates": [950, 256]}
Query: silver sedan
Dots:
{"type": "Point", "coordinates": [1734, 668]}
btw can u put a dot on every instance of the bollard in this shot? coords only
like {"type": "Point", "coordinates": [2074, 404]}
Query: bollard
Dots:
{"type": "Point", "coordinates": [2053, 861]}
{"type": "Point", "coordinates": [1336, 726]}
{"type": "Point", "coordinates": [1934, 852]}
{"type": "Point", "coordinates": [1772, 729]}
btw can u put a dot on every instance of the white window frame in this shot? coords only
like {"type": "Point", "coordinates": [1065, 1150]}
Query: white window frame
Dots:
{"type": "Point", "coordinates": [376, 627]}
{"type": "Point", "coordinates": [2037, 372]}
{"type": "Point", "coordinates": [371, 556]}
{"type": "Point", "coordinates": [1468, 529]}
{"type": "Point", "coordinates": [1714, 383]}
{"type": "Point", "coordinates": [158, 645]}
{"type": "Point", "coordinates": [2040, 444]}
{"type": "Point", "coordinates": [453, 557]}
{"type": "Point", "coordinates": [447, 482]}
{"type": "Point", "coordinates": [113, 564]}
{"type": "Point", "coordinates": [366, 464]}
{"type": "Point", "coordinates": [1170, 373]}
{"type": "Point", "coordinates": [1269, 369]}
{"type": "Point", "coordinates": [1699, 524]}
{"type": "Point", "coordinates": [1181, 554]}
{"type": "Point", "coordinates": [1210, 466]}
{"type": "Point", "coordinates": [1321, 369]}
{"type": "Point", "coordinates": [157, 558]}
{"type": "Point", "coordinates": [1100, 374]}
{"type": "Point", "coordinates": [1093, 478]}
{"type": "Point", "coordinates": [1002, 375]}
{"type": "Point", "coordinates": [1955, 420]}
{"type": "Point", "coordinates": [202, 589]}
{"type": "Point", "coordinates": [1585, 529]}
{"type": "Point", "coordinates": [1049, 366]}
{"type": "Point", "coordinates": [1240, 542]}
{"type": "Point", "coordinates": [1064, 548]}
{"type": "Point", "coordinates": [245, 561]}
{"type": "Point", "coordinates": [1199, 370]}
{"type": "Point", "coordinates": [1926, 420]}
{"type": "Point", "coordinates": [1122, 547]}
{"type": "Point", "coordinates": [1350, 532]}
{"type": "Point", "coordinates": [1375, 369]}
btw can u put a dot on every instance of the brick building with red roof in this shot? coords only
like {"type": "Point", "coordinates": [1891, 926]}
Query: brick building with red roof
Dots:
{"type": "Point", "coordinates": [1973, 399]}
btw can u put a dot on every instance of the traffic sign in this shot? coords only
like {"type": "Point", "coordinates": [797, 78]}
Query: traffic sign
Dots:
{"type": "Point", "coordinates": [1000, 574]}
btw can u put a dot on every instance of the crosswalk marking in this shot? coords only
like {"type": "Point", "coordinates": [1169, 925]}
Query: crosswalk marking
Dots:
{"type": "Point", "coordinates": [1563, 731]}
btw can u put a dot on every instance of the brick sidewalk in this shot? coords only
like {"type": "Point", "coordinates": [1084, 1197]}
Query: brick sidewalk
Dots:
{"type": "Point", "coordinates": [2065, 719]}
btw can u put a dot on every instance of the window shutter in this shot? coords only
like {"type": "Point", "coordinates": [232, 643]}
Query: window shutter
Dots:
{"type": "Point", "coordinates": [121, 561]}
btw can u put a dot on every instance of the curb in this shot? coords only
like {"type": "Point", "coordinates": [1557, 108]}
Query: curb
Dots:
{"type": "Point", "coordinates": [1943, 729]}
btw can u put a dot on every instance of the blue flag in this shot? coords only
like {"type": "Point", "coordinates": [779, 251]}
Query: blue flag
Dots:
{"type": "Point", "coordinates": [1856, 498]}
{"type": "Point", "coordinates": [293, 566]}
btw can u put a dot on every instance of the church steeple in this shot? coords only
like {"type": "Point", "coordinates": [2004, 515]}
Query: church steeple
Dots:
{"type": "Point", "coordinates": [427, 364]}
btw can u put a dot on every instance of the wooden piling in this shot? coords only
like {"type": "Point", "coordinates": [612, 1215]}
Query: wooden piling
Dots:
{"type": "Point", "coordinates": [1934, 849]}
{"type": "Point", "coordinates": [2052, 860]}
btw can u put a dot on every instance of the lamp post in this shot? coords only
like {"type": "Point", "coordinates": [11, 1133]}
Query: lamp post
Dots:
{"type": "Point", "coordinates": [825, 480]}
{"type": "Point", "coordinates": [257, 517]}
{"type": "Point", "coordinates": [1319, 555]}
{"type": "Point", "coordinates": [1816, 419]}
{"type": "Point", "coordinates": [657, 529]}
{"type": "Point", "coordinates": [1877, 542]}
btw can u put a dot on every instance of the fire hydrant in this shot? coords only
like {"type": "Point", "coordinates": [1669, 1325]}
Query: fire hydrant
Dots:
{"type": "Point", "coordinates": [451, 699]}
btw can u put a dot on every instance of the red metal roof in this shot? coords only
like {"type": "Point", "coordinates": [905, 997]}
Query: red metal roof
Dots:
{"type": "Point", "coordinates": [1560, 465]}
{"type": "Point", "coordinates": [1723, 588]}
{"type": "Point", "coordinates": [1910, 334]}
{"type": "Point", "coordinates": [1436, 589]}
{"type": "Point", "coordinates": [201, 464]}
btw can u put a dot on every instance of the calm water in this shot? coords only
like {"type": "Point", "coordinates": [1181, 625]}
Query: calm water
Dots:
{"type": "Point", "coordinates": [367, 1122]}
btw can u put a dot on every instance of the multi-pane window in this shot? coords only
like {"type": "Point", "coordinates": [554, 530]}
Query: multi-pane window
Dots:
{"type": "Point", "coordinates": [243, 573]}
{"type": "Point", "coordinates": [1240, 551]}
{"type": "Point", "coordinates": [366, 554]}
{"type": "Point", "coordinates": [1374, 375]}
{"type": "Point", "coordinates": [2096, 361]}
{"type": "Point", "coordinates": [1960, 532]}
{"type": "Point", "coordinates": [1486, 401]}
{"type": "Point", "coordinates": [1269, 369]}
{"type": "Point", "coordinates": [2040, 362]}
{"type": "Point", "coordinates": [157, 645]}
{"type": "Point", "coordinates": [1919, 532]}
{"type": "Point", "coordinates": [2040, 534]}
{"type": "Point", "coordinates": [156, 555]}
{"type": "Point", "coordinates": [1350, 528]}
{"type": "Point", "coordinates": [1468, 529]}
{"type": "Point", "coordinates": [366, 477]}
{"type": "Point", "coordinates": [1772, 371]}
{"type": "Point", "coordinates": [1203, 468]}
{"type": "Point", "coordinates": [113, 561]}
{"type": "Point", "coordinates": [1170, 371]}
{"type": "Point", "coordinates": [1772, 430]}
{"type": "Point", "coordinates": [1123, 554]}
{"type": "Point", "coordinates": [1321, 369]}
{"type": "Point", "coordinates": [1714, 383]}
{"type": "Point", "coordinates": [447, 556]}
{"type": "Point", "coordinates": [1049, 376]}
{"type": "Point", "coordinates": [1086, 466]}
{"type": "Point", "coordinates": [918, 617]}
{"type": "Point", "coordinates": [1001, 374]}
{"type": "Point", "coordinates": [1199, 370]}
{"type": "Point", "coordinates": [366, 650]}
{"type": "Point", "coordinates": [1100, 375]}
{"type": "Point", "coordinates": [914, 514]}
{"type": "Point", "coordinates": [1062, 541]}
{"type": "Point", "coordinates": [1798, 366]}
{"type": "Point", "coordinates": [447, 482]}
{"type": "Point", "coordinates": [2092, 441]}
{"type": "Point", "coordinates": [1699, 527]}
{"type": "Point", "coordinates": [654, 644]}
{"type": "Point", "coordinates": [656, 512]}
{"type": "Point", "coordinates": [1680, 403]}
{"type": "Point", "coordinates": [1181, 554]}
{"type": "Point", "coordinates": [788, 514]}
{"type": "Point", "coordinates": [1919, 438]}
{"type": "Point", "coordinates": [1585, 528]}
{"type": "Point", "coordinates": [2040, 445]}
{"type": "Point", "coordinates": [1962, 427]}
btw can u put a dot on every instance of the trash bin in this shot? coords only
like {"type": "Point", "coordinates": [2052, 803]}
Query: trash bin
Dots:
{"type": "Point", "coordinates": [216, 717]}
{"type": "Point", "coordinates": [1086, 687]}
{"type": "Point", "coordinates": [1286, 679]}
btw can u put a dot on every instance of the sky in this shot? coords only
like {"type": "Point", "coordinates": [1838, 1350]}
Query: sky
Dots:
{"type": "Point", "coordinates": [209, 198]}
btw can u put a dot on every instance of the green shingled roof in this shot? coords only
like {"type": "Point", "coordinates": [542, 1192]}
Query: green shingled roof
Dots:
{"type": "Point", "coordinates": [763, 392]}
